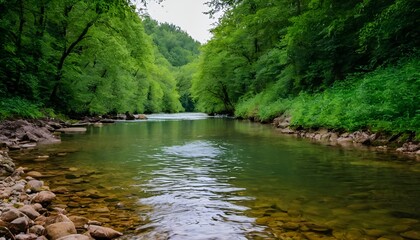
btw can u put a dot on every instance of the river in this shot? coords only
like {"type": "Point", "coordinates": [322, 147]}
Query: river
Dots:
{"type": "Point", "coordinates": [186, 176]}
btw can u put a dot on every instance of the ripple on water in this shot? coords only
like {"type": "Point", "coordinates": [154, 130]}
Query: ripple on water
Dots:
{"type": "Point", "coordinates": [189, 201]}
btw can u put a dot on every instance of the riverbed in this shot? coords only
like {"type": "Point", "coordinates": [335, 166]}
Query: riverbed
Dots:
{"type": "Point", "coordinates": [188, 176]}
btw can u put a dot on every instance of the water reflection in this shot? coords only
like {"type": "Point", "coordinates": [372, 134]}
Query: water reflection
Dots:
{"type": "Point", "coordinates": [191, 198]}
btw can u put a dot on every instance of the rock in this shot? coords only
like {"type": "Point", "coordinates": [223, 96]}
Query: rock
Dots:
{"type": "Point", "coordinates": [72, 130]}
{"type": "Point", "coordinates": [57, 219]}
{"type": "Point", "coordinates": [415, 235]}
{"type": "Point", "coordinates": [129, 116]}
{"type": "Point", "coordinates": [37, 229]}
{"type": "Point", "coordinates": [375, 233]}
{"type": "Point", "coordinates": [142, 117]}
{"type": "Point", "coordinates": [23, 236]}
{"type": "Point", "coordinates": [29, 211]}
{"type": "Point", "coordinates": [361, 137]}
{"type": "Point", "coordinates": [75, 237]}
{"type": "Point", "coordinates": [287, 131]}
{"type": "Point", "coordinates": [79, 222]}
{"type": "Point", "coordinates": [34, 174]}
{"type": "Point", "coordinates": [20, 224]}
{"type": "Point", "coordinates": [11, 215]}
{"type": "Point", "coordinates": [61, 229]}
{"type": "Point", "coordinates": [35, 185]}
{"type": "Point", "coordinates": [103, 232]}
{"type": "Point", "coordinates": [400, 228]}
{"type": "Point", "coordinates": [44, 197]}
{"type": "Point", "coordinates": [290, 226]}
{"type": "Point", "coordinates": [6, 164]}
{"type": "Point", "coordinates": [107, 121]}
{"type": "Point", "coordinates": [318, 228]}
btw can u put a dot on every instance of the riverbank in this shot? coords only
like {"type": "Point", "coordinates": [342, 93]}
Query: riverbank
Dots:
{"type": "Point", "coordinates": [28, 208]}
{"type": "Point", "coordinates": [400, 143]}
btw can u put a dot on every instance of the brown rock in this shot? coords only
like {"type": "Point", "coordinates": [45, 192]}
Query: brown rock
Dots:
{"type": "Point", "coordinates": [79, 222]}
{"type": "Point", "coordinates": [44, 197]}
{"type": "Point", "coordinates": [61, 229]}
{"type": "Point", "coordinates": [11, 215]}
{"type": "Point", "coordinates": [34, 174]}
{"type": "Point", "coordinates": [29, 211]}
{"type": "Point", "coordinates": [103, 232]}
{"type": "Point", "coordinates": [57, 218]}
{"type": "Point", "coordinates": [37, 229]}
{"type": "Point", "coordinates": [23, 236]}
{"type": "Point", "coordinates": [415, 235]}
{"type": "Point", "coordinates": [75, 237]}
{"type": "Point", "coordinates": [35, 185]}
{"type": "Point", "coordinates": [20, 224]}
{"type": "Point", "coordinates": [290, 226]}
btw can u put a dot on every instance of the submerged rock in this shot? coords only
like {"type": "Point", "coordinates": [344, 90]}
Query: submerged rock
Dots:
{"type": "Point", "coordinates": [103, 232]}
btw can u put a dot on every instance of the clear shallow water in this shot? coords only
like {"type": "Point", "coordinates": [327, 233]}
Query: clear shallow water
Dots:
{"type": "Point", "coordinates": [190, 177]}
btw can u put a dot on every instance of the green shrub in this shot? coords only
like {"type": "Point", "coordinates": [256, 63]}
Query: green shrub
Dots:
{"type": "Point", "coordinates": [18, 108]}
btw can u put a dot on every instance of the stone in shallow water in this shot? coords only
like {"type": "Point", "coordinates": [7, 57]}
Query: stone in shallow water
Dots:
{"type": "Point", "coordinates": [34, 174]}
{"type": "Point", "coordinates": [35, 185]}
{"type": "Point", "coordinates": [78, 221]}
{"type": "Point", "coordinates": [61, 229]}
{"type": "Point", "coordinates": [75, 237]}
{"type": "Point", "coordinates": [44, 197]}
{"type": "Point", "coordinates": [400, 228]}
{"type": "Point", "coordinates": [103, 232]}
{"type": "Point", "coordinates": [291, 226]}
{"type": "Point", "coordinates": [415, 235]}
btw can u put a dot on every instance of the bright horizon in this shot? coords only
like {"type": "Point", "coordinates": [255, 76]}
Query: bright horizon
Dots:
{"type": "Point", "coordinates": [186, 14]}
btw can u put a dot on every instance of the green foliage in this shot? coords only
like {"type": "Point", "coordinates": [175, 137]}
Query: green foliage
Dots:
{"type": "Point", "coordinates": [336, 64]}
{"type": "Point", "coordinates": [173, 43]}
{"type": "Point", "coordinates": [384, 100]}
{"type": "Point", "coordinates": [18, 107]}
{"type": "Point", "coordinates": [89, 57]}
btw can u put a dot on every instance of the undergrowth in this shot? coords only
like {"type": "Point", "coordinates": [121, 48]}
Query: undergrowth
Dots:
{"type": "Point", "coordinates": [387, 99]}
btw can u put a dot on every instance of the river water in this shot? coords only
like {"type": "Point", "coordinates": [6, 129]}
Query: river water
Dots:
{"type": "Point", "coordinates": [186, 176]}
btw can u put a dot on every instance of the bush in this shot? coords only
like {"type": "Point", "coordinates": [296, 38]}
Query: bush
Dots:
{"type": "Point", "coordinates": [18, 107]}
{"type": "Point", "coordinates": [384, 100]}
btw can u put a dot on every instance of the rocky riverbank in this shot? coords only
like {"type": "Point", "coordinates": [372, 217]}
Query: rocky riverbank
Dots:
{"type": "Point", "coordinates": [400, 143]}
{"type": "Point", "coordinates": [27, 206]}
{"type": "Point", "coordinates": [27, 211]}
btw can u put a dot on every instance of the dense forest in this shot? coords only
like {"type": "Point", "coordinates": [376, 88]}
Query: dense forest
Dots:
{"type": "Point", "coordinates": [81, 57]}
{"type": "Point", "coordinates": [338, 64]}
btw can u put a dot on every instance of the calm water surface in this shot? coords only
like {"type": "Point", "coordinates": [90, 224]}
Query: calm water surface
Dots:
{"type": "Point", "coordinates": [189, 177]}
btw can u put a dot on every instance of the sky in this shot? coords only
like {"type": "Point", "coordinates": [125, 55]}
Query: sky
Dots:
{"type": "Point", "coordinates": [186, 14]}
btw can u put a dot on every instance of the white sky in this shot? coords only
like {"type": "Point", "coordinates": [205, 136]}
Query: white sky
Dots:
{"type": "Point", "coordinates": [186, 14]}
